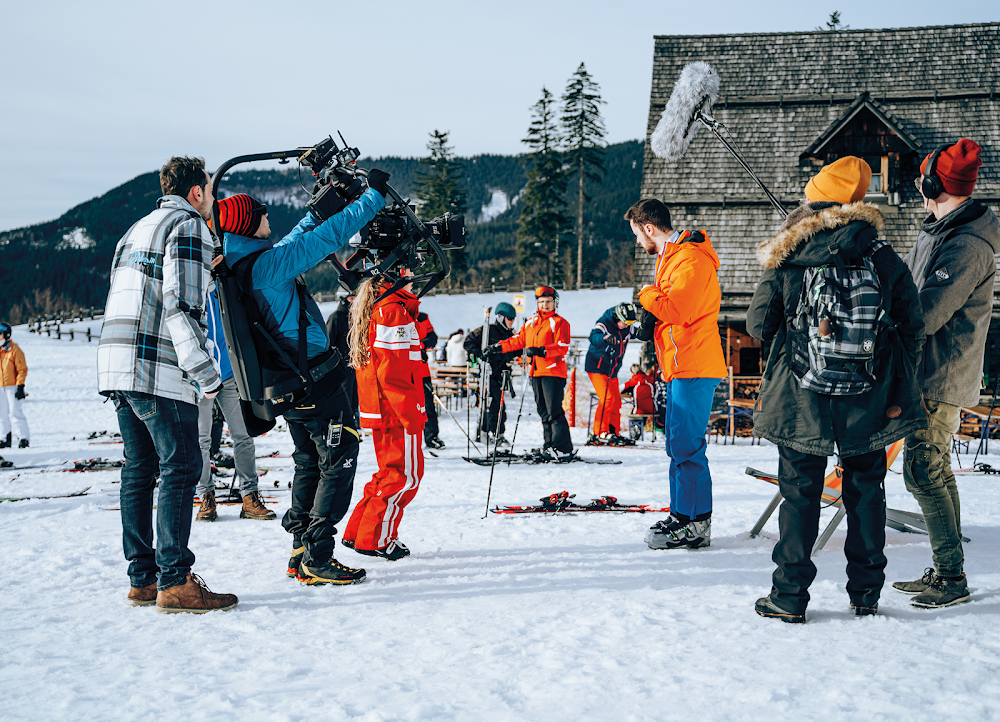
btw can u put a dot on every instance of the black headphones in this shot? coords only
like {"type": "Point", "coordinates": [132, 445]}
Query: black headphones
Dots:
{"type": "Point", "coordinates": [931, 186]}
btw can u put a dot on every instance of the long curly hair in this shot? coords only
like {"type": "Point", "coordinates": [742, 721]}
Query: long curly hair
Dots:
{"type": "Point", "coordinates": [360, 322]}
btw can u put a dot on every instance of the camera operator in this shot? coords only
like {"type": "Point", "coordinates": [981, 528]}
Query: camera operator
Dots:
{"type": "Point", "coordinates": [385, 351]}
{"type": "Point", "coordinates": [322, 425]}
{"type": "Point", "coordinates": [495, 419]}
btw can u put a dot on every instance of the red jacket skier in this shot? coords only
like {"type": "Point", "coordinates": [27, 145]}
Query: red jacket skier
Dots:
{"type": "Point", "coordinates": [385, 351]}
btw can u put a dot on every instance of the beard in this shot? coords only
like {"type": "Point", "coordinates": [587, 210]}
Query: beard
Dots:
{"type": "Point", "coordinates": [647, 243]}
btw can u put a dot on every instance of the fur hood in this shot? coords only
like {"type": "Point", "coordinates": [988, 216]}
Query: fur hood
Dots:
{"type": "Point", "coordinates": [808, 220]}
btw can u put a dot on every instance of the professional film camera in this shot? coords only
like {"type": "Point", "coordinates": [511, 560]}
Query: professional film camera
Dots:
{"type": "Point", "coordinates": [269, 380]}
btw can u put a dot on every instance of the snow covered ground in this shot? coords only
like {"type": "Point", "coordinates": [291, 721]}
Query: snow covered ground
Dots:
{"type": "Point", "coordinates": [502, 618]}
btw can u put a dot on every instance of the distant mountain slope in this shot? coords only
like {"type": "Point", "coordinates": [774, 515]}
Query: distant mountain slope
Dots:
{"type": "Point", "coordinates": [65, 263]}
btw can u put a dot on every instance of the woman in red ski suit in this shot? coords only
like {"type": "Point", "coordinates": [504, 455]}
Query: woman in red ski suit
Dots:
{"type": "Point", "coordinates": [385, 352]}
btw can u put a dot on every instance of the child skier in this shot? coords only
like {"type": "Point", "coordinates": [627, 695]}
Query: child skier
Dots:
{"type": "Point", "coordinates": [385, 352]}
{"type": "Point", "coordinates": [608, 341]}
{"type": "Point", "coordinates": [13, 373]}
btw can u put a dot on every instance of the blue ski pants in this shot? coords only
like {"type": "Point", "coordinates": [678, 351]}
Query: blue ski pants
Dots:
{"type": "Point", "coordinates": [688, 406]}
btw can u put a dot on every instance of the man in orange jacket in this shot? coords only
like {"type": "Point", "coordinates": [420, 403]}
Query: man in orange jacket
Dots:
{"type": "Point", "coordinates": [685, 299]}
{"type": "Point", "coordinates": [546, 338]}
{"type": "Point", "coordinates": [13, 373]}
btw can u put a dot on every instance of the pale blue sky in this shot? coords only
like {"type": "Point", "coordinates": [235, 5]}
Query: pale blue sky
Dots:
{"type": "Point", "coordinates": [95, 93]}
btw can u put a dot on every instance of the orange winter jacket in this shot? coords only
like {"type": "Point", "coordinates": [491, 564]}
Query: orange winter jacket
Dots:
{"type": "Point", "coordinates": [544, 329]}
{"type": "Point", "coordinates": [685, 298]}
{"type": "Point", "coordinates": [13, 368]}
{"type": "Point", "coordinates": [390, 385]}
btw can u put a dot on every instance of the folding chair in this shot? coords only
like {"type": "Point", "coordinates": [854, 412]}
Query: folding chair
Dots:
{"type": "Point", "coordinates": [897, 519]}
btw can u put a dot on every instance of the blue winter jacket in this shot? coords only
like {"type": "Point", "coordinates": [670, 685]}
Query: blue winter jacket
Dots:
{"type": "Point", "coordinates": [275, 271]}
{"type": "Point", "coordinates": [607, 345]}
{"type": "Point", "coordinates": [216, 335]}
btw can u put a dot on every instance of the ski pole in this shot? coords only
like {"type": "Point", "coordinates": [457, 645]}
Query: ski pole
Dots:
{"type": "Point", "coordinates": [493, 465]}
{"type": "Point", "coordinates": [520, 408]}
{"type": "Point", "coordinates": [457, 422]}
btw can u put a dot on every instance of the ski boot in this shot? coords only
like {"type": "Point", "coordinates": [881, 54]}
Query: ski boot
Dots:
{"type": "Point", "coordinates": [394, 551]}
{"type": "Point", "coordinates": [671, 533]}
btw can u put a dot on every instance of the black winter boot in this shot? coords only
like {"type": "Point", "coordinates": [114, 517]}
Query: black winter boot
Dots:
{"type": "Point", "coordinates": [5, 444]}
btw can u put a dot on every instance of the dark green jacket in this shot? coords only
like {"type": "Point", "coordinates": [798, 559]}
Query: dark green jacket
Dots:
{"type": "Point", "coordinates": [813, 423]}
{"type": "Point", "coordinates": [953, 265]}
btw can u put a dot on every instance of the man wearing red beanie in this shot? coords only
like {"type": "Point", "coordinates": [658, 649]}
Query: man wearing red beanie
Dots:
{"type": "Point", "coordinates": [953, 266]}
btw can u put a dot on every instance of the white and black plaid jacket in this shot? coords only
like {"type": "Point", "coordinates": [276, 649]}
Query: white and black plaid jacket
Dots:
{"type": "Point", "coordinates": [153, 339]}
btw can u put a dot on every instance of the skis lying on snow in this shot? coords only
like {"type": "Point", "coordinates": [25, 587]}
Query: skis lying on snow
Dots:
{"type": "Point", "coordinates": [532, 457]}
{"type": "Point", "coordinates": [81, 492]}
{"type": "Point", "coordinates": [561, 503]}
{"type": "Point", "coordinates": [96, 465]}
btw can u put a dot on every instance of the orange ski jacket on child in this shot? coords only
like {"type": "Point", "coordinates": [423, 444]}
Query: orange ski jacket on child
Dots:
{"type": "Point", "coordinates": [685, 298]}
{"type": "Point", "coordinates": [13, 367]}
{"type": "Point", "coordinates": [390, 385]}
{"type": "Point", "coordinates": [544, 329]}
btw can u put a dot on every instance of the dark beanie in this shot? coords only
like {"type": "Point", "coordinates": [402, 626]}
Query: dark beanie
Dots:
{"type": "Point", "coordinates": [957, 166]}
{"type": "Point", "coordinates": [241, 214]}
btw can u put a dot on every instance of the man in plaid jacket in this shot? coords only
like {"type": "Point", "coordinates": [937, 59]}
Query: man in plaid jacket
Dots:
{"type": "Point", "coordinates": [155, 362]}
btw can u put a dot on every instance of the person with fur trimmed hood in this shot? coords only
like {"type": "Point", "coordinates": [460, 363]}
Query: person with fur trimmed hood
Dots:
{"type": "Point", "coordinates": [806, 425]}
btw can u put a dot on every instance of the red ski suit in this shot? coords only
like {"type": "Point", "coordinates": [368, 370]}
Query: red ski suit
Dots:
{"type": "Point", "coordinates": [391, 394]}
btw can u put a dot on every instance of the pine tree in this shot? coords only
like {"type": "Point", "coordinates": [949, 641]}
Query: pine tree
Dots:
{"type": "Point", "coordinates": [584, 142]}
{"type": "Point", "coordinates": [441, 190]}
{"type": "Point", "coordinates": [543, 207]}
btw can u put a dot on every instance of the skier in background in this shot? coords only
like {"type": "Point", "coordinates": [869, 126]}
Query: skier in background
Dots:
{"type": "Point", "coordinates": [495, 419]}
{"type": "Point", "coordinates": [608, 341]}
{"type": "Point", "coordinates": [13, 373]}
{"type": "Point", "coordinates": [428, 340]}
{"type": "Point", "coordinates": [546, 338]}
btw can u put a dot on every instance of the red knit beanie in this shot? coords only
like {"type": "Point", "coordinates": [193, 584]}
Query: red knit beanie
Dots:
{"type": "Point", "coordinates": [241, 214]}
{"type": "Point", "coordinates": [957, 166]}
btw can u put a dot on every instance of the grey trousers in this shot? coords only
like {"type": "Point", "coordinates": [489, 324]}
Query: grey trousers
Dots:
{"type": "Point", "coordinates": [243, 446]}
{"type": "Point", "coordinates": [927, 473]}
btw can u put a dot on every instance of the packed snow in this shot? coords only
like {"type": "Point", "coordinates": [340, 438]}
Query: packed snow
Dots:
{"type": "Point", "coordinates": [497, 618]}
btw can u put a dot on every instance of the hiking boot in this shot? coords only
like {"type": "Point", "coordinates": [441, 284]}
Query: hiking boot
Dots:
{"type": "Point", "coordinates": [207, 512]}
{"type": "Point", "coordinates": [23, 444]}
{"type": "Point", "coordinates": [5, 443]}
{"type": "Point", "coordinates": [918, 586]}
{"type": "Point", "coordinates": [434, 443]}
{"type": "Point", "coordinates": [253, 508]}
{"type": "Point", "coordinates": [672, 533]}
{"type": "Point", "coordinates": [295, 561]}
{"type": "Point", "coordinates": [193, 597]}
{"type": "Point", "coordinates": [394, 551]}
{"type": "Point", "coordinates": [766, 608]}
{"type": "Point", "coordinates": [333, 572]}
{"type": "Point", "coordinates": [860, 611]}
{"type": "Point", "coordinates": [142, 596]}
{"type": "Point", "coordinates": [943, 592]}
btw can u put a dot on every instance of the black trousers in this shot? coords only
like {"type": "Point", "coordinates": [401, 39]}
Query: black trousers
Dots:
{"type": "Point", "coordinates": [548, 399]}
{"type": "Point", "coordinates": [800, 479]}
{"type": "Point", "coordinates": [495, 419]}
{"type": "Point", "coordinates": [431, 426]}
{"type": "Point", "coordinates": [324, 474]}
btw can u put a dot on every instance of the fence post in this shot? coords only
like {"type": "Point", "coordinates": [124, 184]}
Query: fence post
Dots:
{"type": "Point", "coordinates": [88, 334]}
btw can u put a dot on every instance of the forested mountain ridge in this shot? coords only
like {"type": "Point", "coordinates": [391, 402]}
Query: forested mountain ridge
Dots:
{"type": "Point", "coordinates": [65, 263]}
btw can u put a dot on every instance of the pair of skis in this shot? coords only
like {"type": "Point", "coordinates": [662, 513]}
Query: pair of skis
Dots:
{"type": "Point", "coordinates": [532, 457]}
{"type": "Point", "coordinates": [562, 503]}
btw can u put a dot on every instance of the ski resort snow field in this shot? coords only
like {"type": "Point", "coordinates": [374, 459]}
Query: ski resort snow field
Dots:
{"type": "Point", "coordinates": [532, 617]}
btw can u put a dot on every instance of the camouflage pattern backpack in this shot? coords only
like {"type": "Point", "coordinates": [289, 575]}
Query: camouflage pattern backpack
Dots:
{"type": "Point", "coordinates": [840, 309]}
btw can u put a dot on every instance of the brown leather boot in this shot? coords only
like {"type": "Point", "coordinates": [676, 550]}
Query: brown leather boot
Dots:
{"type": "Point", "coordinates": [207, 512]}
{"type": "Point", "coordinates": [194, 597]}
{"type": "Point", "coordinates": [253, 508]}
{"type": "Point", "coordinates": [142, 596]}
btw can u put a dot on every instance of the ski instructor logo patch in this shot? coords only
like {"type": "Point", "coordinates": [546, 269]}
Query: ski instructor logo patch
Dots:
{"type": "Point", "coordinates": [868, 345]}
{"type": "Point", "coordinates": [942, 274]}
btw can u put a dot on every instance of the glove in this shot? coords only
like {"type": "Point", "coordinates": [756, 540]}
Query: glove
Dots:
{"type": "Point", "coordinates": [536, 351]}
{"type": "Point", "coordinates": [378, 179]}
{"type": "Point", "coordinates": [19, 394]}
{"type": "Point", "coordinates": [492, 352]}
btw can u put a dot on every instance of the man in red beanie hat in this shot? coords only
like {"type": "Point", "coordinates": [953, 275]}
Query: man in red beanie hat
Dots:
{"type": "Point", "coordinates": [953, 266]}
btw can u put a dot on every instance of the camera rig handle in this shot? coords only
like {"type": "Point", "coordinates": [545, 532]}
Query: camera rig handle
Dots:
{"type": "Point", "coordinates": [381, 269]}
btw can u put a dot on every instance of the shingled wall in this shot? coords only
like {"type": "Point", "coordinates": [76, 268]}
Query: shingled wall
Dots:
{"type": "Point", "coordinates": [780, 91]}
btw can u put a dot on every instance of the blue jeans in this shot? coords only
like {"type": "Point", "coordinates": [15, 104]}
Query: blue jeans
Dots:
{"type": "Point", "coordinates": [159, 433]}
{"type": "Point", "coordinates": [688, 406]}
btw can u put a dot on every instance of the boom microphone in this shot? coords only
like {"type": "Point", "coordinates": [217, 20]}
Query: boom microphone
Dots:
{"type": "Point", "coordinates": [695, 91]}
